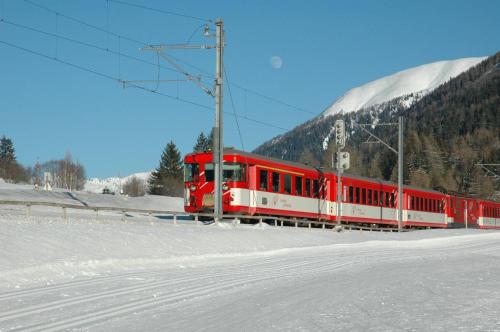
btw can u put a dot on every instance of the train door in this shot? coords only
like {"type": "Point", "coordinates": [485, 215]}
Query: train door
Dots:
{"type": "Point", "coordinates": [472, 212]}
{"type": "Point", "coordinates": [252, 189]}
{"type": "Point", "coordinates": [457, 208]}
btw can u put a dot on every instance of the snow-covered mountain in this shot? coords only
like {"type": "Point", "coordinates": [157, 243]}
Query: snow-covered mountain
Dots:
{"type": "Point", "coordinates": [114, 184]}
{"type": "Point", "coordinates": [417, 80]}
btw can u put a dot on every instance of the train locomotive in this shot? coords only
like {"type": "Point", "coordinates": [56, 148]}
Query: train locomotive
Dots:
{"type": "Point", "coordinates": [255, 185]}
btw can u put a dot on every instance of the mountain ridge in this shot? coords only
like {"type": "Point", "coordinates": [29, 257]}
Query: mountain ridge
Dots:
{"type": "Point", "coordinates": [420, 79]}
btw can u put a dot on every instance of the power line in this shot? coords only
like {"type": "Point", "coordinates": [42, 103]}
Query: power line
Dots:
{"type": "Point", "coordinates": [90, 45]}
{"type": "Point", "coordinates": [109, 77]}
{"type": "Point", "coordinates": [234, 108]}
{"type": "Point", "coordinates": [89, 25]}
{"type": "Point", "coordinates": [259, 94]}
{"type": "Point", "coordinates": [142, 43]}
{"type": "Point", "coordinates": [167, 12]}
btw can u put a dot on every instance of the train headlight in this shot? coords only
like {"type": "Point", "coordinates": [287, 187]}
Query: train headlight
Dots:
{"type": "Point", "coordinates": [225, 186]}
{"type": "Point", "coordinates": [192, 187]}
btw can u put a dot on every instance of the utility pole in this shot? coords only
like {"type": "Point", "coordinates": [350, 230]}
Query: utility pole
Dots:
{"type": "Point", "coordinates": [218, 149]}
{"type": "Point", "coordinates": [218, 144]}
{"type": "Point", "coordinates": [399, 152]}
{"type": "Point", "coordinates": [400, 172]}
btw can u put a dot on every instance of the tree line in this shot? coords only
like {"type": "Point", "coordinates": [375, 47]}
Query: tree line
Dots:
{"type": "Point", "coordinates": [66, 173]}
{"type": "Point", "coordinates": [61, 173]}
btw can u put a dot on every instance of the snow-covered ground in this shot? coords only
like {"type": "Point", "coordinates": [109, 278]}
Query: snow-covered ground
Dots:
{"type": "Point", "coordinates": [147, 274]}
{"type": "Point", "coordinates": [16, 192]}
{"type": "Point", "coordinates": [422, 80]}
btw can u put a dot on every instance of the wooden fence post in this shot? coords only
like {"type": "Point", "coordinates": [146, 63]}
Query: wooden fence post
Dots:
{"type": "Point", "coordinates": [28, 211]}
{"type": "Point", "coordinates": [64, 214]}
{"type": "Point", "coordinates": [175, 218]}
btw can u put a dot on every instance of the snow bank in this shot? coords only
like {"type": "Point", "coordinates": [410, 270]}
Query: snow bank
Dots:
{"type": "Point", "coordinates": [47, 250]}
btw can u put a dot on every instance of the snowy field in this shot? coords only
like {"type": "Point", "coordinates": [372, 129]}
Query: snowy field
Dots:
{"type": "Point", "coordinates": [147, 274]}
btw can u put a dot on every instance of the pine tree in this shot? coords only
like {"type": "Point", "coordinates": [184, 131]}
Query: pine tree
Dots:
{"type": "Point", "coordinates": [8, 164]}
{"type": "Point", "coordinates": [167, 178]}
{"type": "Point", "coordinates": [201, 143]}
{"type": "Point", "coordinates": [210, 141]}
{"type": "Point", "coordinates": [7, 152]}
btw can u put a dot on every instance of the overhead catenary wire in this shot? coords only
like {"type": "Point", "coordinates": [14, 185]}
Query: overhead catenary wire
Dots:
{"type": "Point", "coordinates": [142, 43]}
{"type": "Point", "coordinates": [167, 12]}
{"type": "Point", "coordinates": [234, 108]}
{"type": "Point", "coordinates": [248, 90]}
{"type": "Point", "coordinates": [87, 44]}
{"type": "Point", "coordinates": [107, 76]}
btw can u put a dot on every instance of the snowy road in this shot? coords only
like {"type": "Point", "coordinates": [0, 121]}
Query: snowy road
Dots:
{"type": "Point", "coordinates": [445, 281]}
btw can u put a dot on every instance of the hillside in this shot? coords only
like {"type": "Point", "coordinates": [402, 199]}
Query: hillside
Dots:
{"type": "Point", "coordinates": [418, 80]}
{"type": "Point", "coordinates": [447, 131]}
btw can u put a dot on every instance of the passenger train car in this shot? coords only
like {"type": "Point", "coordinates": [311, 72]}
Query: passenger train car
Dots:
{"type": "Point", "coordinates": [257, 185]}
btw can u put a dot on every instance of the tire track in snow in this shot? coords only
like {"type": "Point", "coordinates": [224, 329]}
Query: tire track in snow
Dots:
{"type": "Point", "coordinates": [58, 304]}
{"type": "Point", "coordinates": [308, 263]}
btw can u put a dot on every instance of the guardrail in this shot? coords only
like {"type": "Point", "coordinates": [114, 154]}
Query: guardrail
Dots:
{"type": "Point", "coordinates": [234, 219]}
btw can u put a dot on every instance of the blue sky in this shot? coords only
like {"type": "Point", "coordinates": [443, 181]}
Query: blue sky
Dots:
{"type": "Point", "coordinates": [327, 47]}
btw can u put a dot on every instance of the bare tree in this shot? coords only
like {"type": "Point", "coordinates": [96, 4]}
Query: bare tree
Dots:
{"type": "Point", "coordinates": [134, 187]}
{"type": "Point", "coordinates": [66, 173]}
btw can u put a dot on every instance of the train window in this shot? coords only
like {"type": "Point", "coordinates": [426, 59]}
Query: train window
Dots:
{"type": "Point", "coordinates": [308, 187]}
{"type": "Point", "coordinates": [370, 202]}
{"type": "Point", "coordinates": [363, 196]}
{"type": "Point", "coordinates": [381, 193]}
{"type": "Point", "coordinates": [392, 199]}
{"type": "Point", "coordinates": [209, 172]}
{"type": "Point", "coordinates": [315, 188]}
{"type": "Point", "coordinates": [288, 184]}
{"type": "Point", "coordinates": [275, 181]}
{"type": "Point", "coordinates": [191, 172]}
{"type": "Point", "coordinates": [233, 172]}
{"type": "Point", "coordinates": [351, 194]}
{"type": "Point", "coordinates": [375, 197]}
{"type": "Point", "coordinates": [386, 199]}
{"type": "Point", "coordinates": [435, 206]}
{"type": "Point", "coordinates": [357, 195]}
{"type": "Point", "coordinates": [263, 181]}
{"type": "Point", "coordinates": [298, 185]}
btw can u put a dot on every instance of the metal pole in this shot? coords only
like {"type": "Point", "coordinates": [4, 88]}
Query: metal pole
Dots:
{"type": "Point", "coordinates": [465, 214]}
{"type": "Point", "coordinates": [339, 192]}
{"type": "Point", "coordinates": [400, 173]}
{"type": "Point", "coordinates": [218, 138]}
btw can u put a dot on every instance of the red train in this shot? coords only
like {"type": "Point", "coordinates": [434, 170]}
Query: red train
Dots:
{"type": "Point", "coordinates": [257, 185]}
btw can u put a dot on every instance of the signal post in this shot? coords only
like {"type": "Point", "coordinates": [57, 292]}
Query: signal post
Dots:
{"type": "Point", "coordinates": [340, 162]}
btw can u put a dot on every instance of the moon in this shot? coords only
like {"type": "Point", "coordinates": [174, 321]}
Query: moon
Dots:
{"type": "Point", "coordinates": [276, 62]}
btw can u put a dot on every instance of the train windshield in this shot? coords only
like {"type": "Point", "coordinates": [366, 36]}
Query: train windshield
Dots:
{"type": "Point", "coordinates": [191, 172]}
{"type": "Point", "coordinates": [232, 172]}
